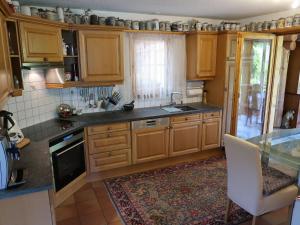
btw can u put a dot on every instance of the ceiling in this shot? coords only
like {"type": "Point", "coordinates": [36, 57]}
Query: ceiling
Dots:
{"type": "Point", "coordinates": [217, 9]}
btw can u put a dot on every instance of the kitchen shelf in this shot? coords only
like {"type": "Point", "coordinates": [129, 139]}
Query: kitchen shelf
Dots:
{"type": "Point", "coordinates": [15, 59]}
{"type": "Point", "coordinates": [155, 32]}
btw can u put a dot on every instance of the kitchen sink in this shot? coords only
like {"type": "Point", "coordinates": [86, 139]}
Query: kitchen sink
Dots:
{"type": "Point", "coordinates": [184, 108]}
{"type": "Point", "coordinates": [178, 108]}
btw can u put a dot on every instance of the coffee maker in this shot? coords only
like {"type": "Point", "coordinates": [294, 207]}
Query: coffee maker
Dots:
{"type": "Point", "coordinates": [10, 127]}
{"type": "Point", "coordinates": [9, 177]}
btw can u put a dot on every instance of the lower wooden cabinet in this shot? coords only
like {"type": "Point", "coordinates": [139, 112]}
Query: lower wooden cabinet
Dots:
{"type": "Point", "coordinates": [115, 145]}
{"type": "Point", "coordinates": [185, 138]}
{"type": "Point", "coordinates": [109, 146]}
{"type": "Point", "coordinates": [211, 131]}
{"type": "Point", "coordinates": [150, 144]}
{"type": "Point", "coordinates": [110, 160]}
{"type": "Point", "coordinates": [109, 141]}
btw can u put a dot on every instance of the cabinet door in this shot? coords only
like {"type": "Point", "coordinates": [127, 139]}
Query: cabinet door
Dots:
{"type": "Point", "coordinates": [41, 43]}
{"type": "Point", "coordinates": [207, 55]}
{"type": "Point", "coordinates": [185, 138]}
{"type": "Point", "coordinates": [211, 133]}
{"type": "Point", "coordinates": [4, 63]}
{"type": "Point", "coordinates": [101, 54]}
{"type": "Point", "coordinates": [150, 144]}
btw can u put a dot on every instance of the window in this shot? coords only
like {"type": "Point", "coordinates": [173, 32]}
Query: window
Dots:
{"type": "Point", "coordinates": [157, 65]}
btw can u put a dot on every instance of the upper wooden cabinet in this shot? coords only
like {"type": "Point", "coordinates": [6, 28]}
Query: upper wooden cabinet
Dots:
{"type": "Point", "coordinates": [101, 56]}
{"type": "Point", "coordinates": [201, 56]}
{"type": "Point", "coordinates": [5, 77]}
{"type": "Point", "coordinates": [40, 43]}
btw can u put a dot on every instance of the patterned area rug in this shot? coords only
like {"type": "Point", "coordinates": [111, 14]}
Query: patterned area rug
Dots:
{"type": "Point", "coordinates": [191, 193]}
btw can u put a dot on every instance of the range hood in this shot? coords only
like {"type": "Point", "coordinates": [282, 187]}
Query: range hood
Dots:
{"type": "Point", "coordinates": [55, 75]}
{"type": "Point", "coordinates": [42, 65]}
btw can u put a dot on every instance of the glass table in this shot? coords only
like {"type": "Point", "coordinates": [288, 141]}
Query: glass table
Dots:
{"type": "Point", "coordinates": [281, 147]}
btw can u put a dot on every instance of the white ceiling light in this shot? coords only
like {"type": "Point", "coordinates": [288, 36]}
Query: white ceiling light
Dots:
{"type": "Point", "coordinates": [295, 4]}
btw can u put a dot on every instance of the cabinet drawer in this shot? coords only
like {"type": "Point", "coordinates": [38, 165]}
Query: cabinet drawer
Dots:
{"type": "Point", "coordinates": [211, 115]}
{"type": "Point", "coordinates": [108, 128]}
{"type": "Point", "coordinates": [109, 141]}
{"type": "Point", "coordinates": [110, 160]}
{"type": "Point", "coordinates": [186, 118]}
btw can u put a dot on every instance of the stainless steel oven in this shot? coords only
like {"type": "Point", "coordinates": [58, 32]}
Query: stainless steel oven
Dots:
{"type": "Point", "coordinates": [67, 154]}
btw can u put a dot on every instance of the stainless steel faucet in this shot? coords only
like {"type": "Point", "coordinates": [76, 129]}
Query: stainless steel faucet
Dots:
{"type": "Point", "coordinates": [172, 96]}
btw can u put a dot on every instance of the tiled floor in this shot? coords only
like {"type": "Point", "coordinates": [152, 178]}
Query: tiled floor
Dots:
{"type": "Point", "coordinates": [91, 205]}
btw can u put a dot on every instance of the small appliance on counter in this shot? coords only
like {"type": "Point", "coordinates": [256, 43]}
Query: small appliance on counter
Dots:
{"type": "Point", "coordinates": [11, 127]}
{"type": "Point", "coordinates": [9, 177]}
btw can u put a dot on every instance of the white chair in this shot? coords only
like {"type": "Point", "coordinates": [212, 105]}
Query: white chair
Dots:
{"type": "Point", "coordinates": [245, 181]}
{"type": "Point", "coordinates": [296, 212]}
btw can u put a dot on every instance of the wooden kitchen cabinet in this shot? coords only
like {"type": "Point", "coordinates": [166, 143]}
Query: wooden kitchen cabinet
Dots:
{"type": "Point", "coordinates": [110, 160]}
{"type": "Point", "coordinates": [109, 141]}
{"type": "Point", "coordinates": [201, 56]}
{"type": "Point", "coordinates": [40, 43]}
{"type": "Point", "coordinates": [211, 131]}
{"type": "Point", "coordinates": [109, 146]}
{"type": "Point", "coordinates": [185, 138]}
{"type": "Point", "coordinates": [101, 56]}
{"type": "Point", "coordinates": [150, 144]}
{"type": "Point", "coordinates": [220, 91]}
{"type": "Point", "coordinates": [5, 77]}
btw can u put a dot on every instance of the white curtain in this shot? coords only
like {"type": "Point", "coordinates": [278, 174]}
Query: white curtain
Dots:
{"type": "Point", "coordinates": [157, 65]}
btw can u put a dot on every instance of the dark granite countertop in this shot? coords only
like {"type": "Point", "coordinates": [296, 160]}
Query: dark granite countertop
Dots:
{"type": "Point", "coordinates": [36, 157]}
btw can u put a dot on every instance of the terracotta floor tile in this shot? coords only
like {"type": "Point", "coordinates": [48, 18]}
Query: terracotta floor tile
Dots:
{"type": "Point", "coordinates": [118, 222]}
{"type": "Point", "coordinates": [95, 218]}
{"type": "Point", "coordinates": [88, 207]}
{"type": "Point", "coordinates": [86, 186]}
{"type": "Point", "coordinates": [85, 195]}
{"type": "Point", "coordinates": [100, 191]}
{"type": "Point", "coordinates": [104, 200]}
{"type": "Point", "coordinates": [65, 212]}
{"type": "Point", "coordinates": [72, 221]}
{"type": "Point", "coordinates": [98, 184]}
{"type": "Point", "coordinates": [111, 215]}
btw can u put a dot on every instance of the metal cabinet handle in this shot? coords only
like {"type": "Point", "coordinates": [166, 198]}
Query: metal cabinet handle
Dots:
{"type": "Point", "coordinates": [68, 149]}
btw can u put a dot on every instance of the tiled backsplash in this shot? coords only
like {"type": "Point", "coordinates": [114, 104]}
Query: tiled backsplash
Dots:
{"type": "Point", "coordinates": [39, 104]}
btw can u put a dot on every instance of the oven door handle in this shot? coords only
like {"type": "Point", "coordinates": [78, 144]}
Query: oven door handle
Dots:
{"type": "Point", "coordinates": [68, 149]}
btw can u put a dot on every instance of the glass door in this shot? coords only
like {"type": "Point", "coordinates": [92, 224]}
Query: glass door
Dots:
{"type": "Point", "coordinates": [252, 87]}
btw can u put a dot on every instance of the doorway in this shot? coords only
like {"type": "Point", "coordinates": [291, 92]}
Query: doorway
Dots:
{"type": "Point", "coordinates": [288, 82]}
{"type": "Point", "coordinates": [252, 84]}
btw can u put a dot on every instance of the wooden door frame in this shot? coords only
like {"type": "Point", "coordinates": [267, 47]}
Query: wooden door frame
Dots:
{"type": "Point", "coordinates": [241, 36]}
